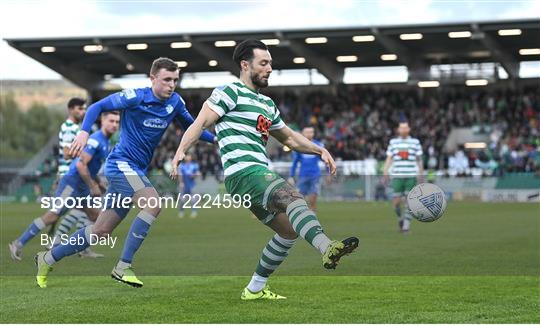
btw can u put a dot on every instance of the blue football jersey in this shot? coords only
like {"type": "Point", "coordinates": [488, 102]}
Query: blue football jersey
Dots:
{"type": "Point", "coordinates": [188, 172]}
{"type": "Point", "coordinates": [97, 147]}
{"type": "Point", "coordinates": [309, 163]}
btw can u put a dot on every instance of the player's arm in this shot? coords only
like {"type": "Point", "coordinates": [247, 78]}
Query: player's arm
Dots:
{"type": "Point", "coordinates": [206, 118]}
{"type": "Point", "coordinates": [420, 163]}
{"type": "Point", "coordinates": [82, 168]}
{"type": "Point", "coordinates": [186, 120]}
{"type": "Point", "coordinates": [117, 101]}
{"type": "Point", "coordinates": [298, 142]}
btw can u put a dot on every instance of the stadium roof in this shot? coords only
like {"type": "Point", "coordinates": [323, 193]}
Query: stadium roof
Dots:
{"type": "Point", "coordinates": [88, 61]}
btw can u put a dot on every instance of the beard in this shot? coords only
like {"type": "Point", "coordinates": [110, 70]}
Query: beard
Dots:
{"type": "Point", "coordinates": [259, 81]}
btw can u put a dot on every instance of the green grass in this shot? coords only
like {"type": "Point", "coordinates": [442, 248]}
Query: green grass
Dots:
{"type": "Point", "coordinates": [480, 263]}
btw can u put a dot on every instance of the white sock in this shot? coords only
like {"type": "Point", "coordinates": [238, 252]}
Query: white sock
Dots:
{"type": "Point", "coordinates": [406, 224]}
{"type": "Point", "coordinates": [321, 241]}
{"type": "Point", "coordinates": [49, 259]}
{"type": "Point", "coordinates": [122, 265]}
{"type": "Point", "coordinates": [257, 283]}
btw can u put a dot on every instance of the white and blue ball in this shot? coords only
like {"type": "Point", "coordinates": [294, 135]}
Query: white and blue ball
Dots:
{"type": "Point", "coordinates": [427, 202]}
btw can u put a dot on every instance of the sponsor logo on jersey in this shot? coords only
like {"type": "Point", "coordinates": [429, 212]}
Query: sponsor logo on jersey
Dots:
{"type": "Point", "coordinates": [156, 123]}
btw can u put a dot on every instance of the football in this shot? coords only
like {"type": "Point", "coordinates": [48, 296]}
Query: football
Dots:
{"type": "Point", "coordinates": [426, 202]}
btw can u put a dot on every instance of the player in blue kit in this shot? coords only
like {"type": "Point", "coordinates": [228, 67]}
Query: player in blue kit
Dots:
{"type": "Point", "coordinates": [188, 171]}
{"type": "Point", "coordinates": [145, 115]}
{"type": "Point", "coordinates": [310, 173]}
{"type": "Point", "coordinates": [78, 182]}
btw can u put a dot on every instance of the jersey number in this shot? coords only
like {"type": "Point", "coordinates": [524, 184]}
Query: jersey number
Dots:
{"type": "Point", "coordinates": [263, 125]}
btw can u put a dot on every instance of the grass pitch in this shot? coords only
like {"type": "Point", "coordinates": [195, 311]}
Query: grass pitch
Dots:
{"type": "Point", "coordinates": [478, 264]}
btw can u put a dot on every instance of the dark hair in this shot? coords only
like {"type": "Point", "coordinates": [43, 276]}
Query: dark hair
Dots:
{"type": "Point", "coordinates": [163, 63]}
{"type": "Point", "coordinates": [244, 50]}
{"type": "Point", "coordinates": [110, 112]}
{"type": "Point", "coordinates": [75, 101]}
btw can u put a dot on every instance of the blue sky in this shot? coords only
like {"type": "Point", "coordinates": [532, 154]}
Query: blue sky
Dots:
{"type": "Point", "coordinates": [97, 18]}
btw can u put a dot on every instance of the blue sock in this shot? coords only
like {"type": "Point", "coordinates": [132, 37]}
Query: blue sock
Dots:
{"type": "Point", "coordinates": [137, 233]}
{"type": "Point", "coordinates": [33, 229]}
{"type": "Point", "coordinates": [82, 242]}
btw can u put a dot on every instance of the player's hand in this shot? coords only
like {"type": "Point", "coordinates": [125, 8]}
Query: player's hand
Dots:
{"type": "Point", "coordinates": [329, 161]}
{"type": "Point", "coordinates": [78, 144]}
{"type": "Point", "coordinates": [178, 157]}
{"type": "Point", "coordinates": [95, 190]}
{"type": "Point", "coordinates": [290, 180]}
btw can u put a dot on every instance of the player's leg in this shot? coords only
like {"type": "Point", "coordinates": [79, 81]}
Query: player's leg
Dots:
{"type": "Point", "coordinates": [272, 255]}
{"type": "Point", "coordinates": [35, 227]}
{"type": "Point", "coordinates": [398, 189]}
{"type": "Point", "coordinates": [79, 241]}
{"type": "Point", "coordinates": [284, 198]}
{"type": "Point", "coordinates": [138, 231]}
{"type": "Point", "coordinates": [193, 213]}
{"type": "Point", "coordinates": [85, 220]}
{"type": "Point", "coordinates": [68, 221]}
{"type": "Point", "coordinates": [409, 183]}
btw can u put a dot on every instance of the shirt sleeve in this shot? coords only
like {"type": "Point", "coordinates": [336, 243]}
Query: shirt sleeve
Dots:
{"type": "Point", "coordinates": [117, 101]}
{"type": "Point", "coordinates": [91, 146]}
{"type": "Point", "coordinates": [277, 122]}
{"type": "Point", "coordinates": [222, 100]}
{"type": "Point", "coordinates": [419, 151]}
{"type": "Point", "coordinates": [389, 150]}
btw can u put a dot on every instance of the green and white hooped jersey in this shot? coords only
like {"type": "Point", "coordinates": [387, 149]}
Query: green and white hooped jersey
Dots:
{"type": "Point", "coordinates": [68, 132]}
{"type": "Point", "coordinates": [246, 117]}
{"type": "Point", "coordinates": [404, 153]}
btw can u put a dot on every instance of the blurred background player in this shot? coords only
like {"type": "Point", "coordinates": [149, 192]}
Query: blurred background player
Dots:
{"type": "Point", "coordinates": [146, 114]}
{"type": "Point", "coordinates": [187, 171]}
{"type": "Point", "coordinates": [310, 173]}
{"type": "Point", "coordinates": [404, 165]}
{"type": "Point", "coordinates": [68, 131]}
{"type": "Point", "coordinates": [79, 181]}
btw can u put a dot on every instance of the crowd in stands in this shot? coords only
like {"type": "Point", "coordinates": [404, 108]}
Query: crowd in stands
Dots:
{"type": "Point", "coordinates": [356, 123]}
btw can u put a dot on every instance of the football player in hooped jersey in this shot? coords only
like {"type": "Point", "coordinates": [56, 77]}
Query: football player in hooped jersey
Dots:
{"type": "Point", "coordinates": [145, 115]}
{"type": "Point", "coordinates": [244, 119]}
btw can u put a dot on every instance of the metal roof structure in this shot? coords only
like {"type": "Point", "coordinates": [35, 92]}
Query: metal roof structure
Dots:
{"type": "Point", "coordinates": [89, 61]}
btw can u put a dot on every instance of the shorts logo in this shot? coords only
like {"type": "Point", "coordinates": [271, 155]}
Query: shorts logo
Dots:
{"type": "Point", "coordinates": [156, 123]}
{"type": "Point", "coordinates": [269, 176]}
{"type": "Point", "coordinates": [433, 203]}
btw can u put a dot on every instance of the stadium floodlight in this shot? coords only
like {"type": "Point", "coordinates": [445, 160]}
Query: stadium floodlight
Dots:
{"type": "Point", "coordinates": [181, 64]}
{"type": "Point", "coordinates": [535, 51]}
{"type": "Point", "coordinates": [270, 41]}
{"type": "Point", "coordinates": [460, 34]}
{"type": "Point", "coordinates": [388, 57]}
{"type": "Point", "coordinates": [212, 63]}
{"type": "Point", "coordinates": [48, 49]}
{"type": "Point", "coordinates": [428, 84]}
{"type": "Point", "coordinates": [509, 32]}
{"type": "Point", "coordinates": [224, 43]}
{"type": "Point", "coordinates": [299, 60]}
{"type": "Point", "coordinates": [475, 145]}
{"type": "Point", "coordinates": [130, 67]}
{"type": "Point", "coordinates": [363, 38]}
{"type": "Point", "coordinates": [347, 58]}
{"type": "Point", "coordinates": [180, 45]}
{"type": "Point", "coordinates": [476, 82]}
{"type": "Point", "coordinates": [480, 54]}
{"type": "Point", "coordinates": [137, 46]}
{"type": "Point", "coordinates": [316, 40]}
{"type": "Point", "coordinates": [93, 48]}
{"type": "Point", "coordinates": [411, 36]}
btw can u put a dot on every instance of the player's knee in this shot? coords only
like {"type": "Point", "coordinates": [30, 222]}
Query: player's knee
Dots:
{"type": "Point", "coordinates": [101, 230]}
{"type": "Point", "coordinates": [282, 197]}
{"type": "Point", "coordinates": [49, 218]}
{"type": "Point", "coordinates": [288, 233]}
{"type": "Point", "coordinates": [154, 211]}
